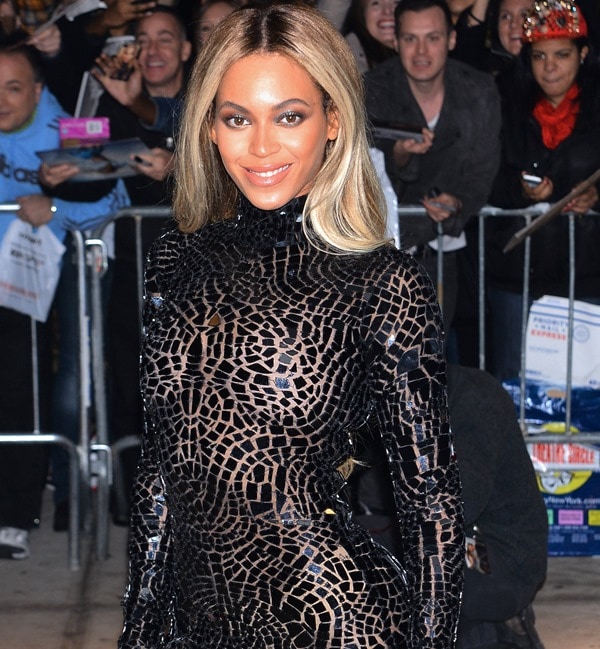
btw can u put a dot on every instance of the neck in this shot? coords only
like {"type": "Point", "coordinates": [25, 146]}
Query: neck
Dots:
{"type": "Point", "coordinates": [429, 95]}
{"type": "Point", "coordinates": [170, 89]}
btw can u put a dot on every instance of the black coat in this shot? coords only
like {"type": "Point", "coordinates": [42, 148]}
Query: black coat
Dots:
{"type": "Point", "coordinates": [464, 157]}
{"type": "Point", "coordinates": [576, 158]}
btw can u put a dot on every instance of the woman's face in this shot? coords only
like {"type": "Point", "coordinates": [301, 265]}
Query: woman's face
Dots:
{"type": "Point", "coordinates": [510, 24]}
{"type": "Point", "coordinates": [211, 17]}
{"type": "Point", "coordinates": [379, 20]}
{"type": "Point", "coordinates": [271, 128]}
{"type": "Point", "coordinates": [555, 63]}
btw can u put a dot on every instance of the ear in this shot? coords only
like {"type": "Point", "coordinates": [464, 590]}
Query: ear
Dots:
{"type": "Point", "coordinates": [213, 134]}
{"type": "Point", "coordinates": [186, 51]}
{"type": "Point", "coordinates": [333, 124]}
{"type": "Point", "coordinates": [452, 40]}
{"type": "Point", "coordinates": [38, 92]}
{"type": "Point", "coordinates": [583, 54]}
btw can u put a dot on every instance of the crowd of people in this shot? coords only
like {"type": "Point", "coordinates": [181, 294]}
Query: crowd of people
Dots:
{"type": "Point", "coordinates": [462, 99]}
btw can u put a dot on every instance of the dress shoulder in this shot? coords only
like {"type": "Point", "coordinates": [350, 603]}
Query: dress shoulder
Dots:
{"type": "Point", "coordinates": [162, 258]}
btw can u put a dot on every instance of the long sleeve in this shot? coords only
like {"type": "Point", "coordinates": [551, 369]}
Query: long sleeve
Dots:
{"type": "Point", "coordinates": [148, 602]}
{"type": "Point", "coordinates": [409, 397]}
{"type": "Point", "coordinates": [88, 215]}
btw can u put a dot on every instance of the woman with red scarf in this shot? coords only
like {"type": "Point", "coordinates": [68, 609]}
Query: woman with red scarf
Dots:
{"type": "Point", "coordinates": [551, 129]}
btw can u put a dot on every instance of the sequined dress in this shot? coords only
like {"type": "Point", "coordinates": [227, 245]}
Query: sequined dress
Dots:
{"type": "Point", "coordinates": [261, 355]}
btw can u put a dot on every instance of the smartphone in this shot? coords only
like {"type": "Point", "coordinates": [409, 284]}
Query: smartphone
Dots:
{"type": "Point", "coordinates": [396, 131]}
{"type": "Point", "coordinates": [531, 180]}
{"type": "Point", "coordinates": [122, 61]}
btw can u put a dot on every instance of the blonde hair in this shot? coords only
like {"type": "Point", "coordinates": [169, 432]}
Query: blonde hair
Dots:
{"type": "Point", "coordinates": [345, 208]}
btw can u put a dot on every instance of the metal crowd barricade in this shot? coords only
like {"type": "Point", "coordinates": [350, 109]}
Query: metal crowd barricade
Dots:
{"type": "Point", "coordinates": [527, 213]}
{"type": "Point", "coordinates": [77, 452]}
{"type": "Point", "coordinates": [106, 466]}
{"type": "Point", "coordinates": [107, 455]}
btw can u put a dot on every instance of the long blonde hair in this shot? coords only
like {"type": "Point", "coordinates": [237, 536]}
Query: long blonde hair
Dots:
{"type": "Point", "coordinates": [345, 207]}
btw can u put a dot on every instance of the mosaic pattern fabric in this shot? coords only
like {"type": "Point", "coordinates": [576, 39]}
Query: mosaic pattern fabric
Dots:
{"type": "Point", "coordinates": [261, 356]}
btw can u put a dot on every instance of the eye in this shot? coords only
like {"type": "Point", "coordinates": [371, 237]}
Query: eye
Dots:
{"type": "Point", "coordinates": [505, 16]}
{"type": "Point", "coordinates": [537, 56]}
{"type": "Point", "coordinates": [235, 121]}
{"type": "Point", "coordinates": [291, 118]}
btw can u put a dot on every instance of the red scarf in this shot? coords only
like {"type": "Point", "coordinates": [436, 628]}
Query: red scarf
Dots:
{"type": "Point", "coordinates": [557, 123]}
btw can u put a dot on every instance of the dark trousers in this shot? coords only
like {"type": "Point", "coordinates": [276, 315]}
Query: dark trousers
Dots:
{"type": "Point", "coordinates": [23, 468]}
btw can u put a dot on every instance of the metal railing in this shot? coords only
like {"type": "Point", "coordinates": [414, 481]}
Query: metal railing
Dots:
{"type": "Point", "coordinates": [528, 214]}
{"type": "Point", "coordinates": [95, 462]}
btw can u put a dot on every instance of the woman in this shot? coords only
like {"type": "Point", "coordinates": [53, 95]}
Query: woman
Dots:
{"type": "Point", "coordinates": [551, 129]}
{"type": "Point", "coordinates": [488, 34]}
{"type": "Point", "coordinates": [370, 32]}
{"type": "Point", "coordinates": [277, 319]}
{"type": "Point", "coordinates": [209, 14]}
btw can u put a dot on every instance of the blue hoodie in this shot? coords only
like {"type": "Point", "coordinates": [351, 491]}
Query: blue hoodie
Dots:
{"type": "Point", "coordinates": [19, 173]}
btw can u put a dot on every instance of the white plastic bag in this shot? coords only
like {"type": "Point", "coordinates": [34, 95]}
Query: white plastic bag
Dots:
{"type": "Point", "coordinates": [30, 260]}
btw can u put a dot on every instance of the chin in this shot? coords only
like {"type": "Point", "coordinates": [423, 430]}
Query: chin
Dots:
{"type": "Point", "coordinates": [268, 203]}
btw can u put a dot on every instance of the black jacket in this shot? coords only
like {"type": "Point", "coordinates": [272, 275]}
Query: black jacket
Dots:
{"type": "Point", "coordinates": [464, 157]}
{"type": "Point", "coordinates": [576, 158]}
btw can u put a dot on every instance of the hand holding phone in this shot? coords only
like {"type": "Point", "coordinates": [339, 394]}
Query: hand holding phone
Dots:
{"type": "Point", "coordinates": [531, 179]}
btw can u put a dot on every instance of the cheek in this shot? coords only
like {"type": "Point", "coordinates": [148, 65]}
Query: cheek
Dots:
{"type": "Point", "coordinates": [370, 23]}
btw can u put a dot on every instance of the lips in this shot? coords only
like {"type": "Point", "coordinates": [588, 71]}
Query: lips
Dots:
{"type": "Point", "coordinates": [421, 63]}
{"type": "Point", "coordinates": [266, 176]}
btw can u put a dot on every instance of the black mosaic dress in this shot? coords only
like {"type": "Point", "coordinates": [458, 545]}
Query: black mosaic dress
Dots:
{"type": "Point", "coordinates": [261, 356]}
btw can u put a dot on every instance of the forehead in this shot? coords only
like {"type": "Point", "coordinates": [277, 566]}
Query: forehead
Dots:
{"type": "Point", "coordinates": [15, 67]}
{"type": "Point", "coordinates": [553, 45]}
{"type": "Point", "coordinates": [217, 9]}
{"type": "Point", "coordinates": [515, 6]}
{"type": "Point", "coordinates": [431, 19]}
{"type": "Point", "coordinates": [268, 75]}
{"type": "Point", "coordinates": [157, 23]}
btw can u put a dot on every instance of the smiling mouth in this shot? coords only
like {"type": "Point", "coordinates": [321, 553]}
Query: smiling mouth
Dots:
{"type": "Point", "coordinates": [269, 173]}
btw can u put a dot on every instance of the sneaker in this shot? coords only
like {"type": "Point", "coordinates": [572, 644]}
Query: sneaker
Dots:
{"type": "Point", "coordinates": [14, 543]}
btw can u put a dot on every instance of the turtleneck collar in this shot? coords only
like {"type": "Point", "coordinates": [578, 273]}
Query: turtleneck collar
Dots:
{"type": "Point", "coordinates": [292, 210]}
{"type": "Point", "coordinates": [270, 228]}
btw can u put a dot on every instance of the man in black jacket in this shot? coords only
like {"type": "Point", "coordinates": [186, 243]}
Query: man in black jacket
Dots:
{"type": "Point", "coordinates": [456, 110]}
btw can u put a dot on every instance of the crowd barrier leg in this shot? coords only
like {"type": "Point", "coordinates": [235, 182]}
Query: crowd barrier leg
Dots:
{"type": "Point", "coordinates": [74, 538]}
{"type": "Point", "coordinates": [106, 466]}
{"type": "Point", "coordinates": [102, 465]}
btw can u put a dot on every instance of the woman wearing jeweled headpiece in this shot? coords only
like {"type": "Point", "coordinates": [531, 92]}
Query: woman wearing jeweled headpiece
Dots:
{"type": "Point", "coordinates": [551, 143]}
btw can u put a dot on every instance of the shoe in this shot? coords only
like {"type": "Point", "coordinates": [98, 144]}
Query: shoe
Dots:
{"type": "Point", "coordinates": [520, 632]}
{"type": "Point", "coordinates": [14, 543]}
{"type": "Point", "coordinates": [60, 522]}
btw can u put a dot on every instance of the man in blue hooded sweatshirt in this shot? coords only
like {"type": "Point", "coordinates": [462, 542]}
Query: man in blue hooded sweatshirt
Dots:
{"type": "Point", "coordinates": [29, 117]}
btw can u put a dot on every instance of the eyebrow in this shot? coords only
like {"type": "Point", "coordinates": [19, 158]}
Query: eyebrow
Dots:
{"type": "Point", "coordinates": [162, 32]}
{"type": "Point", "coordinates": [281, 106]}
{"type": "Point", "coordinates": [436, 32]}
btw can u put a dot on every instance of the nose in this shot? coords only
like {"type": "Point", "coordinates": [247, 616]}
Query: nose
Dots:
{"type": "Point", "coordinates": [263, 141]}
{"type": "Point", "coordinates": [549, 63]}
{"type": "Point", "coordinates": [151, 46]}
{"type": "Point", "coordinates": [421, 46]}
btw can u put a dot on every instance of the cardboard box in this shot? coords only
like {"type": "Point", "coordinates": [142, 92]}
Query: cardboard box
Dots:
{"type": "Point", "coordinates": [569, 478]}
{"type": "Point", "coordinates": [547, 337]}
